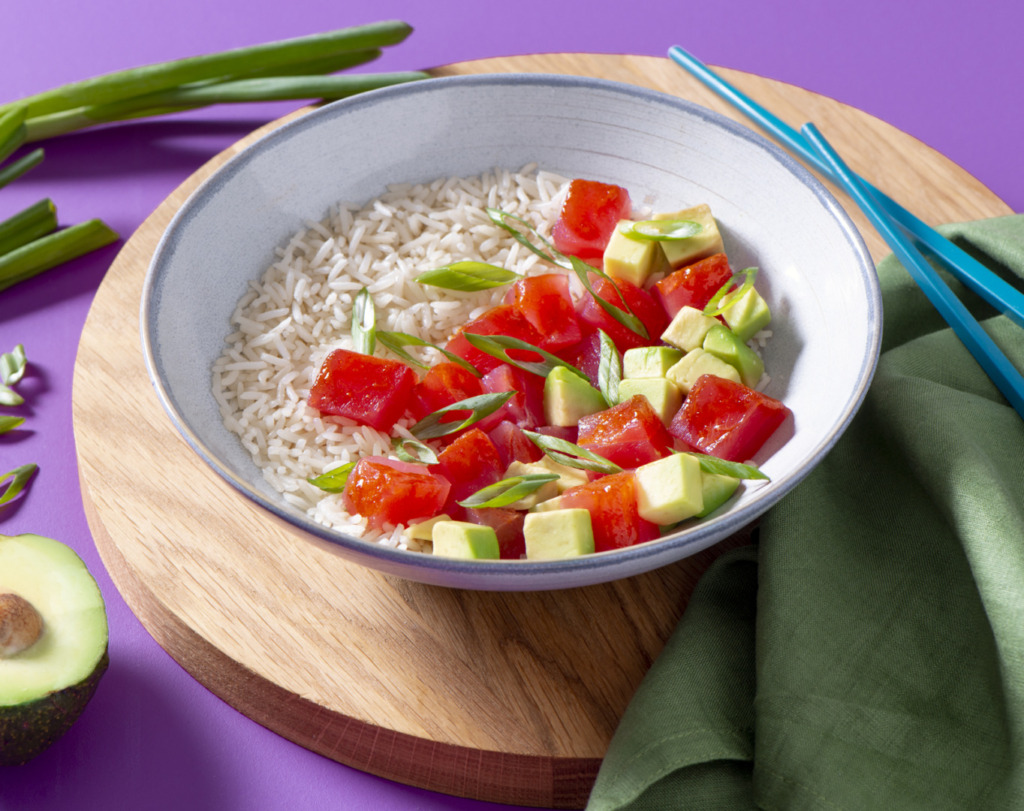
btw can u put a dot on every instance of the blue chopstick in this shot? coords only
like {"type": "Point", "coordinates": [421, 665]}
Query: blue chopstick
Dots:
{"type": "Point", "coordinates": [1006, 377]}
{"type": "Point", "coordinates": [996, 291]}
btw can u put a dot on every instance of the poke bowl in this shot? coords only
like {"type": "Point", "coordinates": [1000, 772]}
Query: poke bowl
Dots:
{"type": "Point", "coordinates": [382, 324]}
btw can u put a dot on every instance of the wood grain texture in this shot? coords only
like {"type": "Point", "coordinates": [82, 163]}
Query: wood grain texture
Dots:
{"type": "Point", "coordinates": [503, 697]}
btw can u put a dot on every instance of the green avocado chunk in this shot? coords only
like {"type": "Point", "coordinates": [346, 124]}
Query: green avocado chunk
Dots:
{"type": "Point", "coordinates": [700, 246]}
{"type": "Point", "coordinates": [663, 395]}
{"type": "Point", "coordinates": [632, 260]}
{"type": "Point", "coordinates": [717, 489]}
{"type": "Point", "coordinates": [669, 490]}
{"type": "Point", "coordinates": [649, 361]}
{"type": "Point", "coordinates": [746, 314]}
{"type": "Point", "coordinates": [557, 534]}
{"type": "Point", "coordinates": [725, 344]}
{"type": "Point", "coordinates": [463, 539]}
{"type": "Point", "coordinates": [53, 653]}
{"type": "Point", "coordinates": [568, 398]}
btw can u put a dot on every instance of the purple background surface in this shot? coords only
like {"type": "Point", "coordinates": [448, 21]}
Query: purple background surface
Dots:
{"type": "Point", "coordinates": [153, 738]}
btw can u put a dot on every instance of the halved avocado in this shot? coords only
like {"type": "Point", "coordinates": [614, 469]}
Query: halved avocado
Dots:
{"type": "Point", "coordinates": [49, 669]}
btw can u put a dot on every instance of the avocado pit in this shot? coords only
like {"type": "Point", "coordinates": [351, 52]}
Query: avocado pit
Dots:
{"type": "Point", "coordinates": [20, 625]}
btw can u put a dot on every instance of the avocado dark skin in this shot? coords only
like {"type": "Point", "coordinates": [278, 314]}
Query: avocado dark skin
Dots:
{"type": "Point", "coordinates": [29, 729]}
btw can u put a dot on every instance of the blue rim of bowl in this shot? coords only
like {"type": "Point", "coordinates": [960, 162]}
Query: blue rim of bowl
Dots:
{"type": "Point", "coordinates": [671, 547]}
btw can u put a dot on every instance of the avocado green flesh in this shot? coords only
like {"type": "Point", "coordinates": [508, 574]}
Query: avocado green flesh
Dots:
{"type": "Point", "coordinates": [44, 688]}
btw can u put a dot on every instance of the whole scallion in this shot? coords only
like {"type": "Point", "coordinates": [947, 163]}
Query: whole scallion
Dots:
{"type": "Point", "coordinates": [290, 69]}
{"type": "Point", "coordinates": [224, 65]}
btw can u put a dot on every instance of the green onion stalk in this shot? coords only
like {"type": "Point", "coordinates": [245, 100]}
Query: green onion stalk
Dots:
{"type": "Point", "coordinates": [286, 70]}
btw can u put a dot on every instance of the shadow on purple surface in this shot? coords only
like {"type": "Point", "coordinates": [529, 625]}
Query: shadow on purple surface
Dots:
{"type": "Point", "coordinates": [112, 759]}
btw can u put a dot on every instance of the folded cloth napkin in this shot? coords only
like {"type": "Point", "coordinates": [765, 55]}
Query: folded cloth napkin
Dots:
{"type": "Point", "coordinates": [867, 651]}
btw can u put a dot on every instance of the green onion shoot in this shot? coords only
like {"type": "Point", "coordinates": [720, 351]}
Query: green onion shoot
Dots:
{"type": "Point", "coordinates": [467, 276]}
{"type": "Point", "coordinates": [333, 481]}
{"type": "Point", "coordinates": [726, 293]}
{"type": "Point", "coordinates": [508, 491]}
{"type": "Point", "coordinates": [435, 425]}
{"type": "Point", "coordinates": [572, 455]}
{"type": "Point", "coordinates": [661, 230]}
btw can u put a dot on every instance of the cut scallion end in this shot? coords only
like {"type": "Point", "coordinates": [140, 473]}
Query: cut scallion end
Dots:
{"type": "Point", "coordinates": [27, 225]}
{"type": "Point", "coordinates": [52, 250]}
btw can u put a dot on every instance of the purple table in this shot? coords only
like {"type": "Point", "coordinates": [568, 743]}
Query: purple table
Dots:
{"type": "Point", "coordinates": [152, 737]}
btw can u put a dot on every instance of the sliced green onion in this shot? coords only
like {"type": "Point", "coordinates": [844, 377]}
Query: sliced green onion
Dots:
{"type": "Point", "coordinates": [609, 369]}
{"type": "Point", "coordinates": [662, 230]}
{"type": "Point", "coordinates": [501, 218]}
{"type": "Point", "coordinates": [333, 481]}
{"type": "Point", "coordinates": [395, 341]}
{"type": "Point", "coordinates": [9, 423]}
{"type": "Point", "coordinates": [364, 320]}
{"type": "Point", "coordinates": [412, 450]}
{"type": "Point", "coordinates": [572, 455]}
{"type": "Point", "coordinates": [116, 86]}
{"type": "Point", "coordinates": [27, 225]}
{"type": "Point", "coordinates": [13, 365]}
{"type": "Point", "coordinates": [626, 316]}
{"type": "Point", "coordinates": [737, 470]}
{"type": "Point", "coordinates": [433, 425]}
{"type": "Point", "coordinates": [467, 276]}
{"type": "Point", "coordinates": [16, 169]}
{"type": "Point", "coordinates": [745, 278]}
{"type": "Point", "coordinates": [52, 250]}
{"type": "Point", "coordinates": [18, 479]}
{"type": "Point", "coordinates": [497, 346]}
{"type": "Point", "coordinates": [508, 490]}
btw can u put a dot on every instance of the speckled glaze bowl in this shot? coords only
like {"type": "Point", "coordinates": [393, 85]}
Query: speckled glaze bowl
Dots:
{"type": "Point", "coordinates": [815, 270]}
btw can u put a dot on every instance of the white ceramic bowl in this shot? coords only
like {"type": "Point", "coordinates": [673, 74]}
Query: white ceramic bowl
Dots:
{"type": "Point", "coordinates": [815, 269]}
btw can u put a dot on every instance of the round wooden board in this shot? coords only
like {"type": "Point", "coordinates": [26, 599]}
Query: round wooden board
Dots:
{"type": "Point", "coordinates": [503, 697]}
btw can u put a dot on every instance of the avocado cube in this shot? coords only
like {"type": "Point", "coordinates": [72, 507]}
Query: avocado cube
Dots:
{"type": "Point", "coordinates": [697, 363]}
{"type": "Point", "coordinates": [568, 398]}
{"type": "Point", "coordinates": [663, 395]}
{"type": "Point", "coordinates": [424, 530]}
{"type": "Point", "coordinates": [669, 490]}
{"type": "Point", "coordinates": [687, 328]}
{"type": "Point", "coordinates": [547, 506]}
{"type": "Point", "coordinates": [649, 361]}
{"type": "Point", "coordinates": [462, 539]}
{"type": "Point", "coordinates": [633, 260]}
{"type": "Point", "coordinates": [726, 344]}
{"type": "Point", "coordinates": [546, 491]}
{"type": "Point", "coordinates": [686, 251]}
{"type": "Point", "coordinates": [746, 314]}
{"type": "Point", "coordinates": [558, 534]}
{"type": "Point", "coordinates": [717, 488]}
{"type": "Point", "coordinates": [567, 476]}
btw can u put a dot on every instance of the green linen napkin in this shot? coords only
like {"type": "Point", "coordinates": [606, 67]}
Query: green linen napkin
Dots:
{"type": "Point", "coordinates": [867, 652]}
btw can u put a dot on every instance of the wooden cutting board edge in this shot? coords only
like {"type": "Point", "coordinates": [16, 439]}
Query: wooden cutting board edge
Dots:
{"type": "Point", "coordinates": [523, 775]}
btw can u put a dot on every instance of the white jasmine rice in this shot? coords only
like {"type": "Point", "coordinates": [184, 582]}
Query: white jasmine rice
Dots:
{"type": "Point", "coordinates": [300, 308]}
